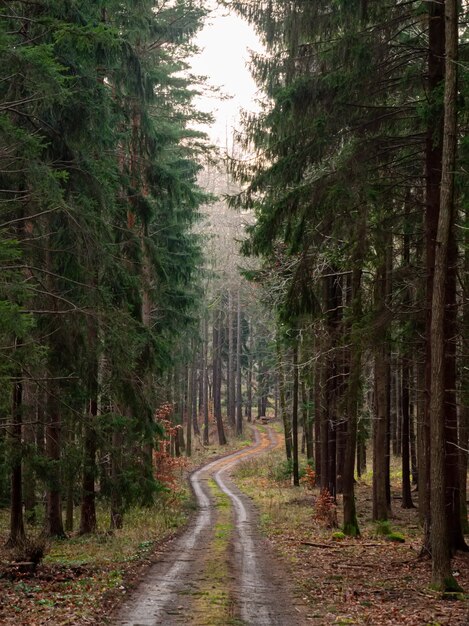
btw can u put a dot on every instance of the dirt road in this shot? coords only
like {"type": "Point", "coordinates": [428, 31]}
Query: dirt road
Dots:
{"type": "Point", "coordinates": [220, 571]}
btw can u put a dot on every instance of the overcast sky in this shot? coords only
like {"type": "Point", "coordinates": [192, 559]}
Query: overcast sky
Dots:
{"type": "Point", "coordinates": [225, 42]}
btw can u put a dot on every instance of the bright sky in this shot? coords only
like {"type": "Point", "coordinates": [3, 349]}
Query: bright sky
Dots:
{"type": "Point", "coordinates": [225, 42]}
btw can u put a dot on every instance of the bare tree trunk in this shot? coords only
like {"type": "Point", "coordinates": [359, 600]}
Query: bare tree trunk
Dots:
{"type": "Point", "coordinates": [54, 524]}
{"type": "Point", "coordinates": [433, 165]}
{"type": "Point", "coordinates": [239, 395]}
{"type": "Point", "coordinates": [442, 577]}
{"type": "Point", "coordinates": [295, 466]}
{"type": "Point", "coordinates": [189, 404]}
{"type": "Point", "coordinates": [17, 533]}
{"type": "Point", "coordinates": [405, 400]}
{"type": "Point", "coordinates": [381, 440]}
{"type": "Point", "coordinates": [30, 400]}
{"type": "Point", "coordinates": [283, 404]}
{"type": "Point", "coordinates": [353, 383]}
{"type": "Point", "coordinates": [205, 380]}
{"type": "Point", "coordinates": [88, 522]}
{"type": "Point", "coordinates": [464, 412]}
{"type": "Point", "coordinates": [230, 373]}
{"type": "Point", "coordinates": [117, 509]}
{"type": "Point", "coordinates": [249, 376]}
{"type": "Point", "coordinates": [193, 403]}
{"type": "Point", "coordinates": [216, 373]}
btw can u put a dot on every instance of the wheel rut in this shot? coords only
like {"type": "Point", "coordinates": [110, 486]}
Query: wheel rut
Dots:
{"type": "Point", "coordinates": [220, 572]}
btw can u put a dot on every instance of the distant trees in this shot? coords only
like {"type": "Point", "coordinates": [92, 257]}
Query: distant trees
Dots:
{"type": "Point", "coordinates": [352, 183]}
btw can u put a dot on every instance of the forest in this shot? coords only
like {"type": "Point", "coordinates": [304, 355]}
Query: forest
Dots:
{"type": "Point", "coordinates": [165, 301]}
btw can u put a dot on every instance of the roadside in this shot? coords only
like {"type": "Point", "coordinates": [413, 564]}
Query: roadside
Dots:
{"type": "Point", "coordinates": [84, 578]}
{"type": "Point", "coordinates": [221, 571]}
{"type": "Point", "coordinates": [376, 579]}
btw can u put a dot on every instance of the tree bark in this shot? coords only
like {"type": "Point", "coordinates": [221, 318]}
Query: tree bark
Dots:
{"type": "Point", "coordinates": [117, 509]}
{"type": "Point", "coordinates": [217, 373]}
{"type": "Point", "coordinates": [433, 165]}
{"type": "Point", "coordinates": [205, 381]}
{"type": "Point", "coordinates": [54, 524]}
{"type": "Point", "coordinates": [17, 533]}
{"type": "Point", "coordinates": [230, 372]}
{"type": "Point", "coordinates": [283, 404]}
{"type": "Point", "coordinates": [239, 396]}
{"type": "Point", "coordinates": [295, 455]}
{"type": "Point", "coordinates": [442, 577]}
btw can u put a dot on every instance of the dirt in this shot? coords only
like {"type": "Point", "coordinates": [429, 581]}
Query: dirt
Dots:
{"type": "Point", "coordinates": [221, 571]}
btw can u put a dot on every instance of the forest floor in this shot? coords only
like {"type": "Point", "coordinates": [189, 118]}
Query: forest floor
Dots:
{"type": "Point", "coordinates": [83, 578]}
{"type": "Point", "coordinates": [255, 552]}
{"type": "Point", "coordinates": [370, 580]}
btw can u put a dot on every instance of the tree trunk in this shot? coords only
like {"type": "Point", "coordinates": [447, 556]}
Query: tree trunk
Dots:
{"type": "Point", "coordinates": [88, 522]}
{"type": "Point", "coordinates": [216, 373]}
{"type": "Point", "coordinates": [54, 524]}
{"type": "Point", "coordinates": [442, 577]}
{"type": "Point", "coordinates": [230, 374]}
{"type": "Point", "coordinates": [193, 404]}
{"type": "Point", "coordinates": [117, 509]}
{"type": "Point", "coordinates": [17, 533]}
{"type": "Point", "coordinates": [283, 404]}
{"type": "Point", "coordinates": [30, 401]}
{"type": "Point", "coordinates": [189, 404]}
{"type": "Point", "coordinates": [433, 164]}
{"type": "Point", "coordinates": [295, 465]}
{"type": "Point", "coordinates": [205, 381]}
{"type": "Point", "coordinates": [249, 376]}
{"type": "Point", "coordinates": [239, 396]}
{"type": "Point", "coordinates": [405, 400]}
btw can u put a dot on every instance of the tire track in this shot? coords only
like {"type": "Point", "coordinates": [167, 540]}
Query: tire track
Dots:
{"type": "Point", "coordinates": [166, 594]}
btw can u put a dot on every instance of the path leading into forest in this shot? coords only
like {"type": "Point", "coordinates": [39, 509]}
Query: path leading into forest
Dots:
{"type": "Point", "coordinates": [221, 570]}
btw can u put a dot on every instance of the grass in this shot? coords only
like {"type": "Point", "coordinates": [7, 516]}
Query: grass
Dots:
{"type": "Point", "coordinates": [213, 600]}
{"type": "Point", "coordinates": [88, 575]}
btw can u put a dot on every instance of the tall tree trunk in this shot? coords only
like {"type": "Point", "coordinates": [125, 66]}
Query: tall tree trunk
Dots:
{"type": "Point", "coordinates": [205, 380]}
{"type": "Point", "coordinates": [405, 400]}
{"type": "Point", "coordinates": [217, 373]}
{"type": "Point", "coordinates": [193, 404]}
{"type": "Point", "coordinates": [17, 533]}
{"type": "Point", "coordinates": [287, 429]}
{"type": "Point", "coordinates": [464, 413]}
{"type": "Point", "coordinates": [117, 508]}
{"type": "Point", "coordinates": [239, 395]}
{"type": "Point", "coordinates": [295, 455]}
{"type": "Point", "coordinates": [442, 577]}
{"type": "Point", "coordinates": [353, 383]}
{"type": "Point", "coordinates": [30, 401]}
{"type": "Point", "coordinates": [249, 376]}
{"type": "Point", "coordinates": [88, 522]}
{"type": "Point", "coordinates": [189, 404]}
{"type": "Point", "coordinates": [231, 374]}
{"type": "Point", "coordinates": [53, 522]}
{"type": "Point", "coordinates": [433, 165]}
{"type": "Point", "coordinates": [453, 454]}
{"type": "Point", "coordinates": [405, 391]}
{"type": "Point", "coordinates": [381, 404]}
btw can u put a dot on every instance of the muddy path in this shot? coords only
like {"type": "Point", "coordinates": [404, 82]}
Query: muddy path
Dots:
{"type": "Point", "coordinates": [221, 570]}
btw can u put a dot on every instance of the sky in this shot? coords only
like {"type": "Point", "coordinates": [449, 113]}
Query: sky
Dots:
{"type": "Point", "coordinates": [224, 44]}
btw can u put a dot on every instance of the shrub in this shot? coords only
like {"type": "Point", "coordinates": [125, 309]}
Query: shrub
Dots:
{"type": "Point", "coordinates": [326, 509]}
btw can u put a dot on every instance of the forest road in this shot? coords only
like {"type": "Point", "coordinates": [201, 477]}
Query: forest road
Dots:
{"type": "Point", "coordinates": [221, 571]}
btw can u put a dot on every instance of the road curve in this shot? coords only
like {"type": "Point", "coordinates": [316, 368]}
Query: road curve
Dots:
{"type": "Point", "coordinates": [257, 582]}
